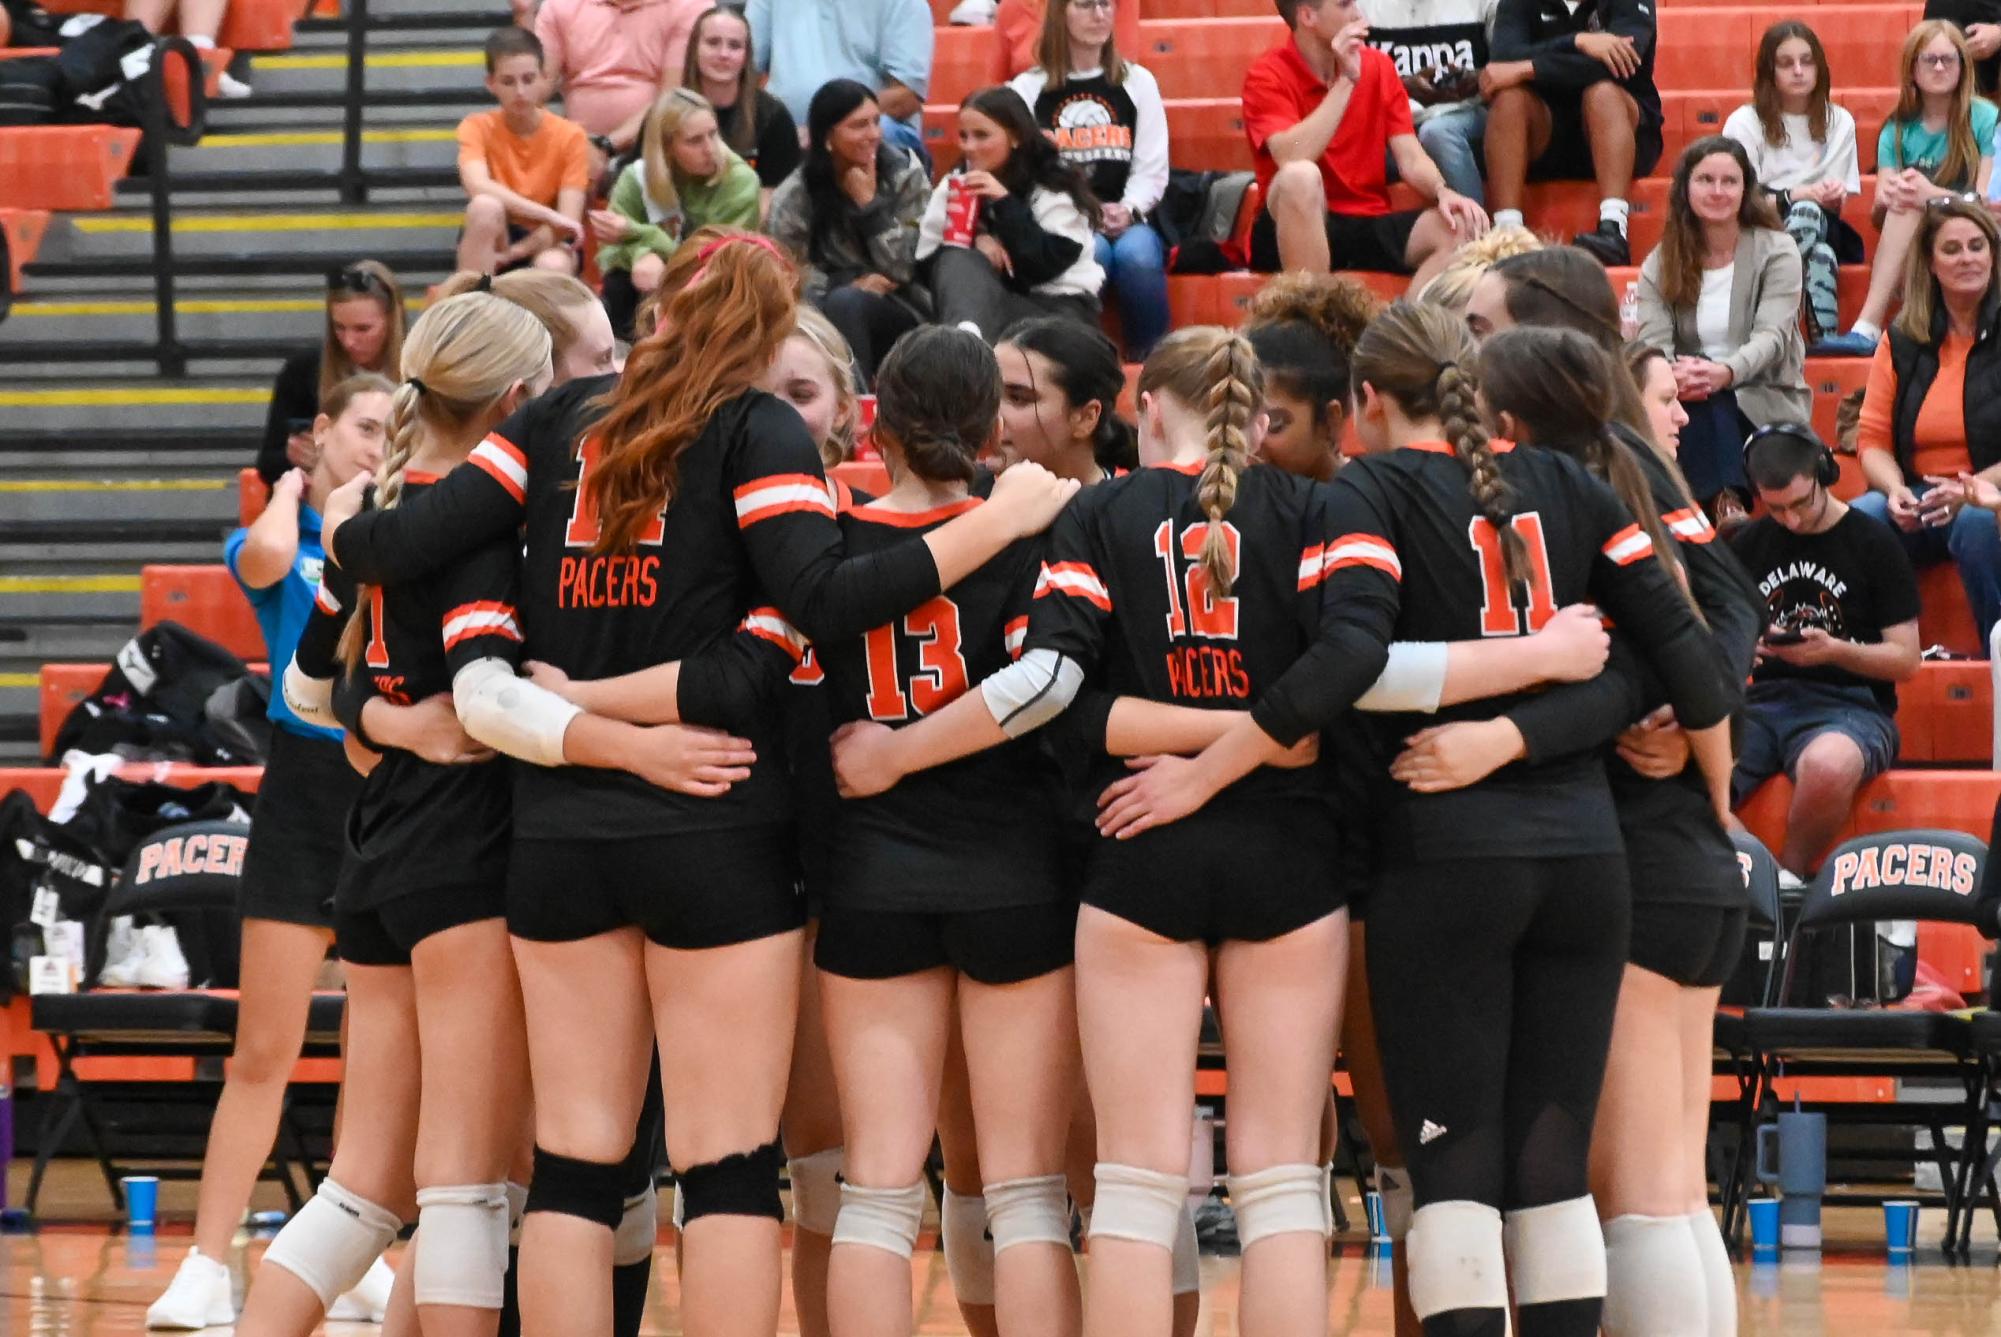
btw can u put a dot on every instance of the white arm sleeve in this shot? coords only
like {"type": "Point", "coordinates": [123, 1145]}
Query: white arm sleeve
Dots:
{"type": "Point", "coordinates": [1414, 679]}
{"type": "Point", "coordinates": [1032, 691]}
{"type": "Point", "coordinates": [311, 699]}
{"type": "Point", "coordinates": [511, 714]}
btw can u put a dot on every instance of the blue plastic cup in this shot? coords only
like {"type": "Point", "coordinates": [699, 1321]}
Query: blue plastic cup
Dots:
{"type": "Point", "coordinates": [1764, 1223]}
{"type": "Point", "coordinates": [1379, 1228]}
{"type": "Point", "coordinates": [1900, 1226]}
{"type": "Point", "coordinates": [142, 1201]}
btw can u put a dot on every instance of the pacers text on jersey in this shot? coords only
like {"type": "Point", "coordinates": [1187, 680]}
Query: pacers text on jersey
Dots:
{"type": "Point", "coordinates": [1205, 671]}
{"type": "Point", "coordinates": [614, 580]}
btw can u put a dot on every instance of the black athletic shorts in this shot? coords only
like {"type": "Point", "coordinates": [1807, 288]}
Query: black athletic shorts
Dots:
{"type": "Point", "coordinates": [1568, 157]}
{"type": "Point", "coordinates": [1003, 946]}
{"type": "Point", "coordinates": [702, 889]}
{"type": "Point", "coordinates": [1353, 241]}
{"type": "Point", "coordinates": [1696, 946]}
{"type": "Point", "coordinates": [1242, 870]}
{"type": "Point", "coordinates": [386, 934]}
{"type": "Point", "coordinates": [298, 831]}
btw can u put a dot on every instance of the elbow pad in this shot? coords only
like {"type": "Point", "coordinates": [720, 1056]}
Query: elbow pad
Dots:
{"type": "Point", "coordinates": [1413, 680]}
{"type": "Point", "coordinates": [1032, 691]}
{"type": "Point", "coordinates": [510, 714]}
{"type": "Point", "coordinates": [311, 699]}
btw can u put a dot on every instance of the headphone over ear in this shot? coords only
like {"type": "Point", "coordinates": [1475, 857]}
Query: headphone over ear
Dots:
{"type": "Point", "coordinates": [1826, 468]}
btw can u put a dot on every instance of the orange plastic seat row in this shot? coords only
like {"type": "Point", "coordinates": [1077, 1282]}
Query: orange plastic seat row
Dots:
{"type": "Point", "coordinates": [204, 599]}
{"type": "Point", "coordinates": [253, 494]}
{"type": "Point", "coordinates": [64, 167]}
{"type": "Point", "coordinates": [247, 25]}
{"type": "Point", "coordinates": [1946, 713]}
{"type": "Point", "coordinates": [24, 229]}
{"type": "Point", "coordinates": [42, 783]}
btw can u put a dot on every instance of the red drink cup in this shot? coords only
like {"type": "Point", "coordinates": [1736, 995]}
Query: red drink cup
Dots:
{"type": "Point", "coordinates": [962, 213]}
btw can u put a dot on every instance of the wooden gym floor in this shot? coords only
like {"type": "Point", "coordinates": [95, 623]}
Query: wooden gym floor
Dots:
{"type": "Point", "coordinates": [86, 1279]}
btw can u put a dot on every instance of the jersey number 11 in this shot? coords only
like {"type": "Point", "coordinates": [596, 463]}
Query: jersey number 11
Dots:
{"type": "Point", "coordinates": [1499, 615]}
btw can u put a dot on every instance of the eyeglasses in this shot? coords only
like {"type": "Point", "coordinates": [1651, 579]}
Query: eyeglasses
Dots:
{"type": "Point", "coordinates": [355, 279]}
{"type": "Point", "coordinates": [1939, 60]}
{"type": "Point", "coordinates": [1088, 5]}
{"type": "Point", "coordinates": [1963, 197]}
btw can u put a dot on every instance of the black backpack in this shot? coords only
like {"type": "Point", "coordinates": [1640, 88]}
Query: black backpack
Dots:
{"type": "Point", "coordinates": [154, 703]}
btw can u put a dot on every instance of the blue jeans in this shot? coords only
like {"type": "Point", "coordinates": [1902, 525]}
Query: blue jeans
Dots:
{"type": "Point", "coordinates": [1453, 138]}
{"type": "Point", "coordinates": [1136, 271]}
{"type": "Point", "coordinates": [900, 135]}
{"type": "Point", "coordinates": [1972, 541]}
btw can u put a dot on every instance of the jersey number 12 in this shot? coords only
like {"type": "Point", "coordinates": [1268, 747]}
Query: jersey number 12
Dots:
{"type": "Point", "coordinates": [941, 666]}
{"type": "Point", "coordinates": [1499, 615]}
{"type": "Point", "coordinates": [1204, 614]}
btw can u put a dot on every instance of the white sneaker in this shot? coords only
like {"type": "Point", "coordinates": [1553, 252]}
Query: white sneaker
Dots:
{"type": "Point", "coordinates": [369, 1300]}
{"type": "Point", "coordinates": [973, 13]}
{"type": "Point", "coordinates": [198, 1297]}
{"type": "Point", "coordinates": [1790, 881]}
{"type": "Point", "coordinates": [229, 86]}
{"type": "Point", "coordinates": [164, 966]}
{"type": "Point", "coordinates": [124, 952]}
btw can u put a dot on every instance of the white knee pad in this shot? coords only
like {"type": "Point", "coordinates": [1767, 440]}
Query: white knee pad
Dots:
{"type": "Point", "coordinates": [1187, 1254]}
{"type": "Point", "coordinates": [1556, 1252]}
{"type": "Point", "coordinates": [332, 1240]}
{"type": "Point", "coordinates": [1654, 1284]}
{"type": "Point", "coordinates": [1456, 1260]}
{"type": "Point", "coordinates": [1136, 1204]}
{"type": "Point", "coordinates": [881, 1218]}
{"type": "Point", "coordinates": [464, 1258]}
{"type": "Point", "coordinates": [1393, 1185]}
{"type": "Point", "coordinates": [638, 1229]}
{"type": "Point", "coordinates": [1719, 1280]}
{"type": "Point", "coordinates": [1278, 1200]}
{"type": "Point", "coordinates": [969, 1246]}
{"type": "Point", "coordinates": [1029, 1211]}
{"type": "Point", "coordinates": [816, 1190]}
{"type": "Point", "coordinates": [517, 1208]}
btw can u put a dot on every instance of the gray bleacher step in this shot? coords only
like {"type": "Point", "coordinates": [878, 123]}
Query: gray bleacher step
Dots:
{"type": "Point", "coordinates": [322, 67]}
{"type": "Point", "coordinates": [277, 321]}
{"type": "Point", "coordinates": [131, 406]}
{"type": "Point", "coordinates": [102, 501]}
{"type": "Point", "coordinates": [319, 150]}
{"type": "Point", "coordinates": [33, 556]}
{"type": "Point", "coordinates": [39, 640]}
{"type": "Point", "coordinates": [331, 236]}
{"type": "Point", "coordinates": [319, 110]}
{"type": "Point", "coordinates": [141, 457]}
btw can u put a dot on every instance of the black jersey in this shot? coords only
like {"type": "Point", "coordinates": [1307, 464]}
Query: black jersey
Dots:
{"type": "Point", "coordinates": [748, 541]}
{"type": "Point", "coordinates": [1411, 558]}
{"type": "Point", "coordinates": [977, 833]}
{"type": "Point", "coordinates": [1124, 594]}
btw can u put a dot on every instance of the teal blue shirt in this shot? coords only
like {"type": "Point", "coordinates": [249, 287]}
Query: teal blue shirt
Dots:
{"type": "Point", "coordinates": [282, 609]}
{"type": "Point", "coordinates": [1909, 144]}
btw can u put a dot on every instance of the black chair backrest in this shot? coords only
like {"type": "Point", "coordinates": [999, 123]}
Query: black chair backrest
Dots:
{"type": "Point", "coordinates": [187, 876]}
{"type": "Point", "coordinates": [1757, 975]}
{"type": "Point", "coordinates": [1761, 878]}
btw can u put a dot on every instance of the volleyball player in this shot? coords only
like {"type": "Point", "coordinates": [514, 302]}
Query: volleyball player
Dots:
{"type": "Point", "coordinates": [288, 876]}
{"type": "Point", "coordinates": [580, 336]}
{"type": "Point", "coordinates": [1180, 582]}
{"type": "Point", "coordinates": [1494, 1011]}
{"type": "Point", "coordinates": [637, 912]}
{"type": "Point", "coordinates": [1303, 327]}
{"type": "Point", "coordinates": [1060, 386]}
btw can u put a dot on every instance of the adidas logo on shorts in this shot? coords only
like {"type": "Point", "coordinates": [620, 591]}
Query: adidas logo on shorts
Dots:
{"type": "Point", "coordinates": [1430, 1132]}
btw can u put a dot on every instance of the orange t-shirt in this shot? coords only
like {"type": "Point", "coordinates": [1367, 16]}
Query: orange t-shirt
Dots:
{"type": "Point", "coordinates": [557, 157]}
{"type": "Point", "coordinates": [1940, 435]}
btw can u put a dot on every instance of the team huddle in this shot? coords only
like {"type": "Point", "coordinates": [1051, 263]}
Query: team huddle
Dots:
{"type": "Point", "coordinates": [946, 812]}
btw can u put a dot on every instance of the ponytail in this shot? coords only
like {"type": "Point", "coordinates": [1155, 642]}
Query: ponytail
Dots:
{"type": "Point", "coordinates": [1459, 413]}
{"type": "Point", "coordinates": [400, 438]}
{"type": "Point", "coordinates": [1215, 370]}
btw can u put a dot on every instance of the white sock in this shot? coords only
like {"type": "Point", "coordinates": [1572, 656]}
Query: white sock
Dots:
{"type": "Point", "coordinates": [1654, 1285]}
{"type": "Point", "coordinates": [1507, 218]}
{"type": "Point", "coordinates": [1718, 1278]}
{"type": "Point", "coordinates": [1867, 330]}
{"type": "Point", "coordinates": [1614, 211]}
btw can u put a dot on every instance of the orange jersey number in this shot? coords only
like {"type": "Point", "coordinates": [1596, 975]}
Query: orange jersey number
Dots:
{"type": "Point", "coordinates": [1499, 615]}
{"type": "Point", "coordinates": [940, 676]}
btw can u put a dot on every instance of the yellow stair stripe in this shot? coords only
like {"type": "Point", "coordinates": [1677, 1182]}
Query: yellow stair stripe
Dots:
{"type": "Point", "coordinates": [316, 138]}
{"type": "Point", "coordinates": [386, 60]}
{"type": "Point", "coordinates": [215, 307]}
{"type": "Point", "coordinates": [271, 223]}
{"type": "Point", "coordinates": [116, 485]}
{"type": "Point", "coordinates": [20, 680]}
{"type": "Point", "coordinates": [102, 396]}
{"type": "Point", "coordinates": [69, 584]}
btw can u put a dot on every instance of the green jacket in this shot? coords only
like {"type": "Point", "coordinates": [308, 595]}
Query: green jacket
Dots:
{"type": "Point", "coordinates": [731, 199]}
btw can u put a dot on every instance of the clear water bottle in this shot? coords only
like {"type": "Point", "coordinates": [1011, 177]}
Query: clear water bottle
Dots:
{"type": "Point", "coordinates": [1629, 311]}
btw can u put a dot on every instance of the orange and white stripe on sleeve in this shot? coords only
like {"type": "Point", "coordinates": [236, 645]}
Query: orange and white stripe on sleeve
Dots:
{"type": "Point", "coordinates": [1349, 550]}
{"type": "Point", "coordinates": [1076, 579]}
{"type": "Point", "coordinates": [781, 494]}
{"type": "Point", "coordinates": [485, 618]}
{"type": "Point", "coordinates": [1629, 545]}
{"type": "Point", "coordinates": [503, 461]}
{"type": "Point", "coordinates": [769, 624]}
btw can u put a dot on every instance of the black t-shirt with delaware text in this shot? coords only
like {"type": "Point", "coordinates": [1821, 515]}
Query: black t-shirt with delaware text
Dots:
{"type": "Point", "coordinates": [1851, 581]}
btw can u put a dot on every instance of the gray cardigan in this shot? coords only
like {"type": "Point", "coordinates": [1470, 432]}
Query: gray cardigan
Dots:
{"type": "Point", "coordinates": [881, 238]}
{"type": "Point", "coordinates": [1769, 366]}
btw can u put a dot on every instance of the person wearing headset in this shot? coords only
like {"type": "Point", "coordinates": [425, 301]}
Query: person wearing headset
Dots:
{"type": "Point", "coordinates": [1842, 599]}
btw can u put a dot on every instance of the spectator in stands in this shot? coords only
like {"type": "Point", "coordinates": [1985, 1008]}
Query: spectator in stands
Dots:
{"type": "Point", "coordinates": [850, 214]}
{"type": "Point", "coordinates": [685, 178]}
{"type": "Point", "coordinates": [1843, 602]}
{"type": "Point", "coordinates": [1660, 394]}
{"type": "Point", "coordinates": [365, 325]}
{"type": "Point", "coordinates": [613, 58]}
{"type": "Point", "coordinates": [1323, 110]}
{"type": "Point", "coordinates": [1018, 26]}
{"type": "Point", "coordinates": [200, 22]}
{"type": "Point", "coordinates": [1932, 409]}
{"type": "Point", "coordinates": [1452, 287]}
{"type": "Point", "coordinates": [1721, 293]}
{"type": "Point", "coordinates": [754, 124]}
{"type": "Point", "coordinates": [1802, 148]}
{"type": "Point", "coordinates": [1571, 98]}
{"type": "Point", "coordinates": [526, 171]}
{"type": "Point", "coordinates": [1031, 250]}
{"type": "Point", "coordinates": [1939, 142]}
{"type": "Point", "coordinates": [1105, 114]}
{"type": "Point", "coordinates": [1980, 21]}
{"type": "Point", "coordinates": [885, 44]}
{"type": "Point", "coordinates": [1439, 48]}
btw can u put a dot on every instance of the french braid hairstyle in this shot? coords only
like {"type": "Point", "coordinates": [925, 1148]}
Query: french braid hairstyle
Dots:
{"type": "Point", "coordinates": [1215, 372]}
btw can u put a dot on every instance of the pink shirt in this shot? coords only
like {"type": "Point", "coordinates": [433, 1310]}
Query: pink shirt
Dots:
{"type": "Point", "coordinates": [610, 58]}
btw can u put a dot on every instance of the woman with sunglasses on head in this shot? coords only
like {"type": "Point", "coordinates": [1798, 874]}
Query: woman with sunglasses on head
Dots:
{"type": "Point", "coordinates": [364, 333]}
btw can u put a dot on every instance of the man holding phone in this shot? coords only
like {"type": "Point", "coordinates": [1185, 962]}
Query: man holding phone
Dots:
{"type": "Point", "coordinates": [1439, 48]}
{"type": "Point", "coordinates": [1843, 603]}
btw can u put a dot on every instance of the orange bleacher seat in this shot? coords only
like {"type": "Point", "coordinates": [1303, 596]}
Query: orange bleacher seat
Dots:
{"type": "Point", "coordinates": [1947, 619]}
{"type": "Point", "coordinates": [1862, 42]}
{"type": "Point", "coordinates": [1206, 58]}
{"type": "Point", "coordinates": [247, 25]}
{"type": "Point", "coordinates": [64, 167]}
{"type": "Point", "coordinates": [1946, 713]}
{"type": "Point", "coordinates": [1831, 379]}
{"type": "Point", "coordinates": [962, 61]}
{"type": "Point", "coordinates": [24, 229]}
{"type": "Point", "coordinates": [1705, 48]}
{"type": "Point", "coordinates": [1895, 800]}
{"type": "Point", "coordinates": [253, 494]}
{"type": "Point", "coordinates": [203, 599]}
{"type": "Point", "coordinates": [863, 476]}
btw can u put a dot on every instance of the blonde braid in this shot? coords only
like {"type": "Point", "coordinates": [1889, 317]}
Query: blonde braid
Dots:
{"type": "Point", "coordinates": [1459, 415]}
{"type": "Point", "coordinates": [1236, 388]}
{"type": "Point", "coordinates": [402, 436]}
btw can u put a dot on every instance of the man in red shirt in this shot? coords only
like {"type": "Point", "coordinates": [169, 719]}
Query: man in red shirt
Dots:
{"type": "Point", "coordinates": [1324, 112]}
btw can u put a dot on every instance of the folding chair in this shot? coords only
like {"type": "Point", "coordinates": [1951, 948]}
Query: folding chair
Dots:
{"type": "Point", "coordinates": [1733, 1056]}
{"type": "Point", "coordinates": [1897, 875]}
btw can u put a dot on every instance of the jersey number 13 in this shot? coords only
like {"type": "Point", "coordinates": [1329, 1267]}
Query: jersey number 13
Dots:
{"type": "Point", "coordinates": [940, 675]}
